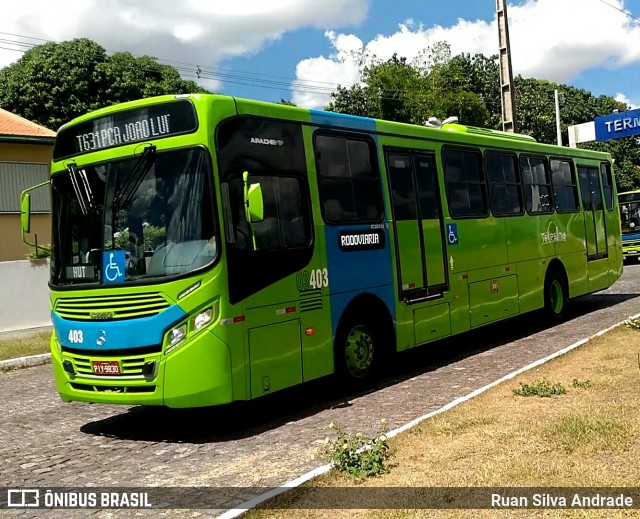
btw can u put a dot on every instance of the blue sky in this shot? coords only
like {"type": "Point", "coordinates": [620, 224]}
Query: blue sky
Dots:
{"type": "Point", "coordinates": [300, 50]}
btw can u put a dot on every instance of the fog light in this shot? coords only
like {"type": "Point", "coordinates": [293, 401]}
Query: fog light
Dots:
{"type": "Point", "coordinates": [148, 368]}
{"type": "Point", "coordinates": [68, 367]}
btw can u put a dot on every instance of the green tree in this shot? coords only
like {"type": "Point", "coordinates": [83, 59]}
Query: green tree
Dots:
{"type": "Point", "coordinates": [397, 90]}
{"type": "Point", "coordinates": [55, 82]}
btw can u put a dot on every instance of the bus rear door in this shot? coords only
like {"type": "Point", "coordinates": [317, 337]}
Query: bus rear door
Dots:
{"type": "Point", "coordinates": [595, 227]}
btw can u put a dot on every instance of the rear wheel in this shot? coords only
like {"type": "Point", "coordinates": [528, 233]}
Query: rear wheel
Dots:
{"type": "Point", "coordinates": [555, 295]}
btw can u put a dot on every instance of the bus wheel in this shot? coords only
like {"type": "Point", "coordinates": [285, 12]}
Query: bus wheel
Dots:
{"type": "Point", "coordinates": [358, 346]}
{"type": "Point", "coordinates": [555, 295]}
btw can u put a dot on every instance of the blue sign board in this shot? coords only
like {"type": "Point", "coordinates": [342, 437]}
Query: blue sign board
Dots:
{"type": "Point", "coordinates": [452, 233]}
{"type": "Point", "coordinates": [113, 265]}
{"type": "Point", "coordinates": [616, 126]}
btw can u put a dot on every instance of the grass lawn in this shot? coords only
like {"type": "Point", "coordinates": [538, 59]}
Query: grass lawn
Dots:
{"type": "Point", "coordinates": [24, 345]}
{"type": "Point", "coordinates": [585, 434]}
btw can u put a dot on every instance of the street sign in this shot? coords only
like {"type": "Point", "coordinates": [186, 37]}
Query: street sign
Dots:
{"type": "Point", "coordinates": [616, 126]}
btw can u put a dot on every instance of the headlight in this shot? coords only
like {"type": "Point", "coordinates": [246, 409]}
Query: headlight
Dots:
{"type": "Point", "coordinates": [203, 318]}
{"type": "Point", "coordinates": [178, 334]}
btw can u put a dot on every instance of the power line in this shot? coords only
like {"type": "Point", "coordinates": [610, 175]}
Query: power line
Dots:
{"type": "Point", "coordinates": [227, 76]}
{"type": "Point", "coordinates": [620, 10]}
{"type": "Point", "coordinates": [214, 73]}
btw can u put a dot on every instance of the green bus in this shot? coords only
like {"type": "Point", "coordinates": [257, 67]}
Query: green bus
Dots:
{"type": "Point", "coordinates": [630, 222]}
{"type": "Point", "coordinates": [208, 249]}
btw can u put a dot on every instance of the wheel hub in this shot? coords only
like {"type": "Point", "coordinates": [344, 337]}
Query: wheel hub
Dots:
{"type": "Point", "coordinates": [359, 352]}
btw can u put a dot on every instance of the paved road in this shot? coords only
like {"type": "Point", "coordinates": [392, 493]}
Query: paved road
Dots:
{"type": "Point", "coordinates": [44, 442]}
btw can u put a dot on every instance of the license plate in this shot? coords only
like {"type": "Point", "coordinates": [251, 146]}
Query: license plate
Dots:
{"type": "Point", "coordinates": [106, 367]}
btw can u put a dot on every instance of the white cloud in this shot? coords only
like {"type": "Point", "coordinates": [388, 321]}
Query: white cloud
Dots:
{"type": "Point", "coordinates": [550, 39]}
{"type": "Point", "coordinates": [192, 31]}
{"type": "Point", "coordinates": [622, 98]}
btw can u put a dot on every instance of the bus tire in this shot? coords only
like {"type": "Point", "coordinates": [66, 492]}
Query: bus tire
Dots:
{"type": "Point", "coordinates": [556, 295]}
{"type": "Point", "coordinates": [358, 349]}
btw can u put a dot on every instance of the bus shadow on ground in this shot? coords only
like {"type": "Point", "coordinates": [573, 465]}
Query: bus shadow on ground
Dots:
{"type": "Point", "coordinates": [246, 419]}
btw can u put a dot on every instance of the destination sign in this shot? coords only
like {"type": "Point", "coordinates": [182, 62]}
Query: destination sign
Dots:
{"type": "Point", "coordinates": [361, 240]}
{"type": "Point", "coordinates": [127, 127]}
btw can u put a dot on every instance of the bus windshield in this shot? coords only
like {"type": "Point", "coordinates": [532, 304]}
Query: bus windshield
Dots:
{"type": "Point", "coordinates": [630, 217]}
{"type": "Point", "coordinates": [141, 217]}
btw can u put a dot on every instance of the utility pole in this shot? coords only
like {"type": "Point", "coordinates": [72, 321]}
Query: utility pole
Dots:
{"type": "Point", "coordinates": [506, 75]}
{"type": "Point", "coordinates": [558, 129]}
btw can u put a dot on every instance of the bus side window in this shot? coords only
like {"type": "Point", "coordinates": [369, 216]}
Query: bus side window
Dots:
{"type": "Point", "coordinates": [564, 185]}
{"type": "Point", "coordinates": [537, 184]}
{"type": "Point", "coordinates": [348, 179]}
{"type": "Point", "coordinates": [465, 183]}
{"type": "Point", "coordinates": [284, 223]}
{"type": "Point", "coordinates": [607, 184]}
{"type": "Point", "coordinates": [504, 185]}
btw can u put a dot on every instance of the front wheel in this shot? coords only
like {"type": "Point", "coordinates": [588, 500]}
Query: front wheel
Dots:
{"type": "Point", "coordinates": [555, 295]}
{"type": "Point", "coordinates": [358, 350]}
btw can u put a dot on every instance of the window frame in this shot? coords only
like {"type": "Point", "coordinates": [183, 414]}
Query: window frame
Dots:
{"type": "Point", "coordinates": [587, 168]}
{"type": "Point", "coordinates": [576, 186]}
{"type": "Point", "coordinates": [307, 219]}
{"type": "Point", "coordinates": [608, 172]}
{"type": "Point", "coordinates": [549, 184]}
{"type": "Point", "coordinates": [483, 183]}
{"type": "Point", "coordinates": [376, 178]}
{"type": "Point", "coordinates": [518, 183]}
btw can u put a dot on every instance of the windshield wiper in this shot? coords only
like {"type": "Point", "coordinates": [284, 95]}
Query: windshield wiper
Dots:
{"type": "Point", "coordinates": [82, 189]}
{"type": "Point", "coordinates": [124, 195]}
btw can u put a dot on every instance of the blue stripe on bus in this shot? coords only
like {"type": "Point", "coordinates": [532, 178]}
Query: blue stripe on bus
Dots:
{"type": "Point", "coordinates": [359, 271]}
{"type": "Point", "coordinates": [115, 335]}
{"type": "Point", "coordinates": [627, 237]}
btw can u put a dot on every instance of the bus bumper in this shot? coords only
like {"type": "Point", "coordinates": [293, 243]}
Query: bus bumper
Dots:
{"type": "Point", "coordinates": [197, 374]}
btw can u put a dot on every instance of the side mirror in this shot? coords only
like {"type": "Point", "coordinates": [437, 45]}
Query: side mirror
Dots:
{"type": "Point", "coordinates": [25, 213]}
{"type": "Point", "coordinates": [255, 203]}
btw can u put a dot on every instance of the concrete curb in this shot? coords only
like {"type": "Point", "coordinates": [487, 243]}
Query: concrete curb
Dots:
{"type": "Point", "coordinates": [25, 362]}
{"type": "Point", "coordinates": [252, 503]}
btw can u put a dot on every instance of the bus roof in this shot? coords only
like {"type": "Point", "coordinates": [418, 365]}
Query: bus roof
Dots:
{"type": "Point", "coordinates": [450, 132]}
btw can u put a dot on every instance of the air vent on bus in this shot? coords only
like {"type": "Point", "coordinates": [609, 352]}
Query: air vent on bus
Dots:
{"type": "Point", "coordinates": [111, 307]}
{"type": "Point", "coordinates": [311, 300]}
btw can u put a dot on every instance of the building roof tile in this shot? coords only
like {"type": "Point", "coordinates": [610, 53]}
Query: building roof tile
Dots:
{"type": "Point", "coordinates": [12, 124]}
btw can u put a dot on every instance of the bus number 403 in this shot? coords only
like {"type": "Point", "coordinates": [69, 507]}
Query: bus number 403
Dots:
{"type": "Point", "coordinates": [75, 336]}
{"type": "Point", "coordinates": [316, 278]}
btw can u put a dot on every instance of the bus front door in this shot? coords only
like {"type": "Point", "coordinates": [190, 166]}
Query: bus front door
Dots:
{"type": "Point", "coordinates": [595, 227]}
{"type": "Point", "coordinates": [417, 225]}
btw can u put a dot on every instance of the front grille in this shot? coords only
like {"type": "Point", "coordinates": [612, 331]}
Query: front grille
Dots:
{"type": "Point", "coordinates": [110, 308]}
{"type": "Point", "coordinates": [129, 366]}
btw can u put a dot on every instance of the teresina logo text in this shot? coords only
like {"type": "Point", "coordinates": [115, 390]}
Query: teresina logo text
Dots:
{"type": "Point", "coordinates": [360, 240]}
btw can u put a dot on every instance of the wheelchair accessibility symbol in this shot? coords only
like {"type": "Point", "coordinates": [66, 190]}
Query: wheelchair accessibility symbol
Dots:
{"type": "Point", "coordinates": [113, 262]}
{"type": "Point", "coordinates": [452, 233]}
